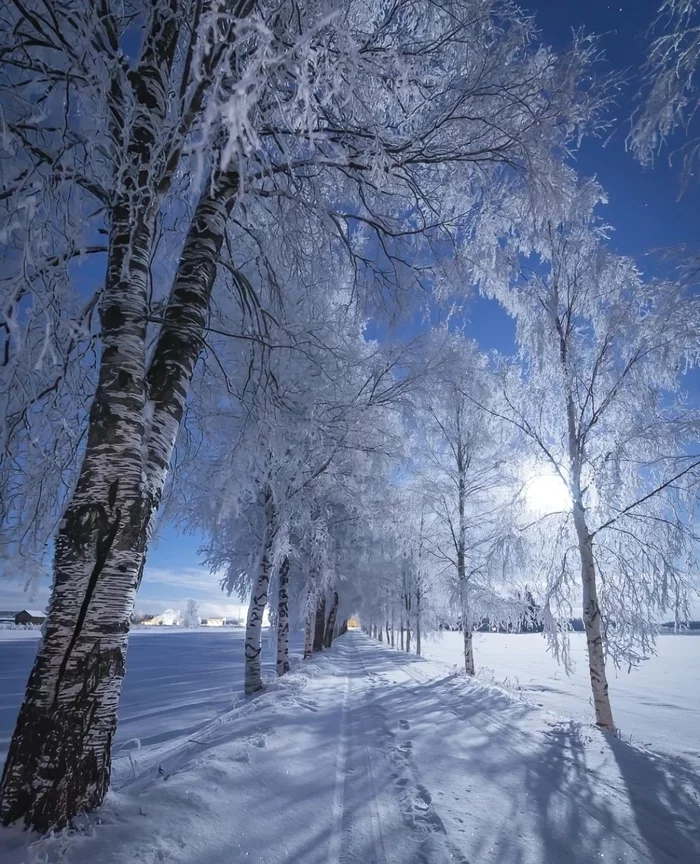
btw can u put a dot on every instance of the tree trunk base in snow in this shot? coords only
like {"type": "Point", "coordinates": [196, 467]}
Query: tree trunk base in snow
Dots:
{"type": "Point", "coordinates": [59, 761]}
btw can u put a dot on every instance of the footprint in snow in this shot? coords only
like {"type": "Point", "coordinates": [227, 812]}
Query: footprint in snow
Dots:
{"type": "Point", "coordinates": [404, 724]}
{"type": "Point", "coordinates": [424, 795]}
{"type": "Point", "coordinates": [432, 851]}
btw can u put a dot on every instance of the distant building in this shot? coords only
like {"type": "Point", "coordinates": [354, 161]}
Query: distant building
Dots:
{"type": "Point", "coordinates": [7, 617]}
{"type": "Point", "coordinates": [30, 616]}
{"type": "Point", "coordinates": [169, 618]}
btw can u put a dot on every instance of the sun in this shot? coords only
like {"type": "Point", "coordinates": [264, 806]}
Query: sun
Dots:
{"type": "Point", "coordinates": [547, 493]}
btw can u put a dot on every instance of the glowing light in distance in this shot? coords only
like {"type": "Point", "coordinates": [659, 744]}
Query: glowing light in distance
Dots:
{"type": "Point", "coordinates": [546, 493]}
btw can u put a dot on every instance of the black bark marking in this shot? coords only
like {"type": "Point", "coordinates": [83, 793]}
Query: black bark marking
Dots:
{"type": "Point", "coordinates": [330, 626]}
{"type": "Point", "coordinates": [103, 548]}
{"type": "Point", "coordinates": [320, 624]}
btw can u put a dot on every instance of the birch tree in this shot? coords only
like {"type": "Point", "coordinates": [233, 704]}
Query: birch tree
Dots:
{"type": "Point", "coordinates": [597, 391]}
{"type": "Point", "coordinates": [99, 136]}
{"type": "Point", "coordinates": [463, 474]}
{"type": "Point", "coordinates": [192, 614]}
{"type": "Point", "coordinates": [136, 133]}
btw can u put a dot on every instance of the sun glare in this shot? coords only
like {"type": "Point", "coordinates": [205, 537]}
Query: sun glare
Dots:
{"type": "Point", "coordinates": [547, 493]}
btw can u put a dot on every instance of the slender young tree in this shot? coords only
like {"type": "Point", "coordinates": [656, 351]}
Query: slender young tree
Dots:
{"type": "Point", "coordinates": [597, 391]}
{"type": "Point", "coordinates": [463, 477]}
{"type": "Point", "coordinates": [192, 614]}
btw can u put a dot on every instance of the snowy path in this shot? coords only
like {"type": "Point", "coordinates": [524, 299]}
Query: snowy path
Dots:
{"type": "Point", "coordinates": [369, 756]}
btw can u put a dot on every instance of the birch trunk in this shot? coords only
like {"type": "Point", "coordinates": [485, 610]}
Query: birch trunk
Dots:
{"type": "Point", "coordinates": [418, 646]}
{"type": "Point", "coordinates": [330, 626]}
{"type": "Point", "coordinates": [59, 758]}
{"type": "Point", "coordinates": [401, 631]}
{"type": "Point", "coordinates": [591, 606]}
{"type": "Point", "coordinates": [258, 602]}
{"type": "Point", "coordinates": [319, 629]}
{"type": "Point", "coordinates": [468, 649]}
{"type": "Point", "coordinates": [101, 544]}
{"type": "Point", "coordinates": [311, 603]}
{"type": "Point", "coordinates": [462, 463]}
{"type": "Point", "coordinates": [310, 622]}
{"type": "Point", "coordinates": [592, 625]}
{"type": "Point", "coordinates": [283, 620]}
{"type": "Point", "coordinates": [309, 636]}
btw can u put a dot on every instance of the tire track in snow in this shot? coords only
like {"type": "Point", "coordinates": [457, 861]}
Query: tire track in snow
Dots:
{"type": "Point", "coordinates": [335, 844]}
{"type": "Point", "coordinates": [362, 838]}
{"type": "Point", "coordinates": [424, 838]}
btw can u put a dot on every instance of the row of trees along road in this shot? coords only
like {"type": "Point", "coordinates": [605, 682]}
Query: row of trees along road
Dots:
{"type": "Point", "coordinates": [204, 203]}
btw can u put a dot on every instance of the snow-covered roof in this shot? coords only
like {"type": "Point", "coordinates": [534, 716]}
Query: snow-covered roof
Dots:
{"type": "Point", "coordinates": [33, 613]}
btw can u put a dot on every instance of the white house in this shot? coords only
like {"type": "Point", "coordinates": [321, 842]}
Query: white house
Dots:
{"type": "Point", "coordinates": [169, 618]}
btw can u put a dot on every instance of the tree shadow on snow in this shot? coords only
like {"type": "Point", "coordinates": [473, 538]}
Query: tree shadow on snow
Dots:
{"type": "Point", "coordinates": [664, 794]}
{"type": "Point", "coordinates": [530, 792]}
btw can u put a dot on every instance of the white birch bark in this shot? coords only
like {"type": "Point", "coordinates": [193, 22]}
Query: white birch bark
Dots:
{"type": "Point", "coordinates": [468, 648]}
{"type": "Point", "coordinates": [592, 625]}
{"type": "Point", "coordinates": [418, 633]}
{"type": "Point", "coordinates": [59, 762]}
{"type": "Point", "coordinates": [258, 601]}
{"type": "Point", "coordinates": [591, 607]}
{"type": "Point", "coordinates": [283, 620]}
{"type": "Point", "coordinates": [103, 537]}
{"type": "Point", "coordinates": [310, 623]}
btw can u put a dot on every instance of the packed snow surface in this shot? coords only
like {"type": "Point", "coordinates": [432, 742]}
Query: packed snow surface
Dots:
{"type": "Point", "coordinates": [367, 755]}
{"type": "Point", "coordinates": [656, 703]}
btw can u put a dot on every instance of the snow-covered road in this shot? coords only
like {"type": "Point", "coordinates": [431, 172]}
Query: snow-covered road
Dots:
{"type": "Point", "coordinates": [366, 755]}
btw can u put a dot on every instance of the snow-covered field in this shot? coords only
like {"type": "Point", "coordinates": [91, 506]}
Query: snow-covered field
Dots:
{"type": "Point", "coordinates": [657, 703]}
{"type": "Point", "coordinates": [176, 681]}
{"type": "Point", "coordinates": [366, 754]}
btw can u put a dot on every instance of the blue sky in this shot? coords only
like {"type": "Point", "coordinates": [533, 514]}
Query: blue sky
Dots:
{"type": "Point", "coordinates": [644, 208]}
